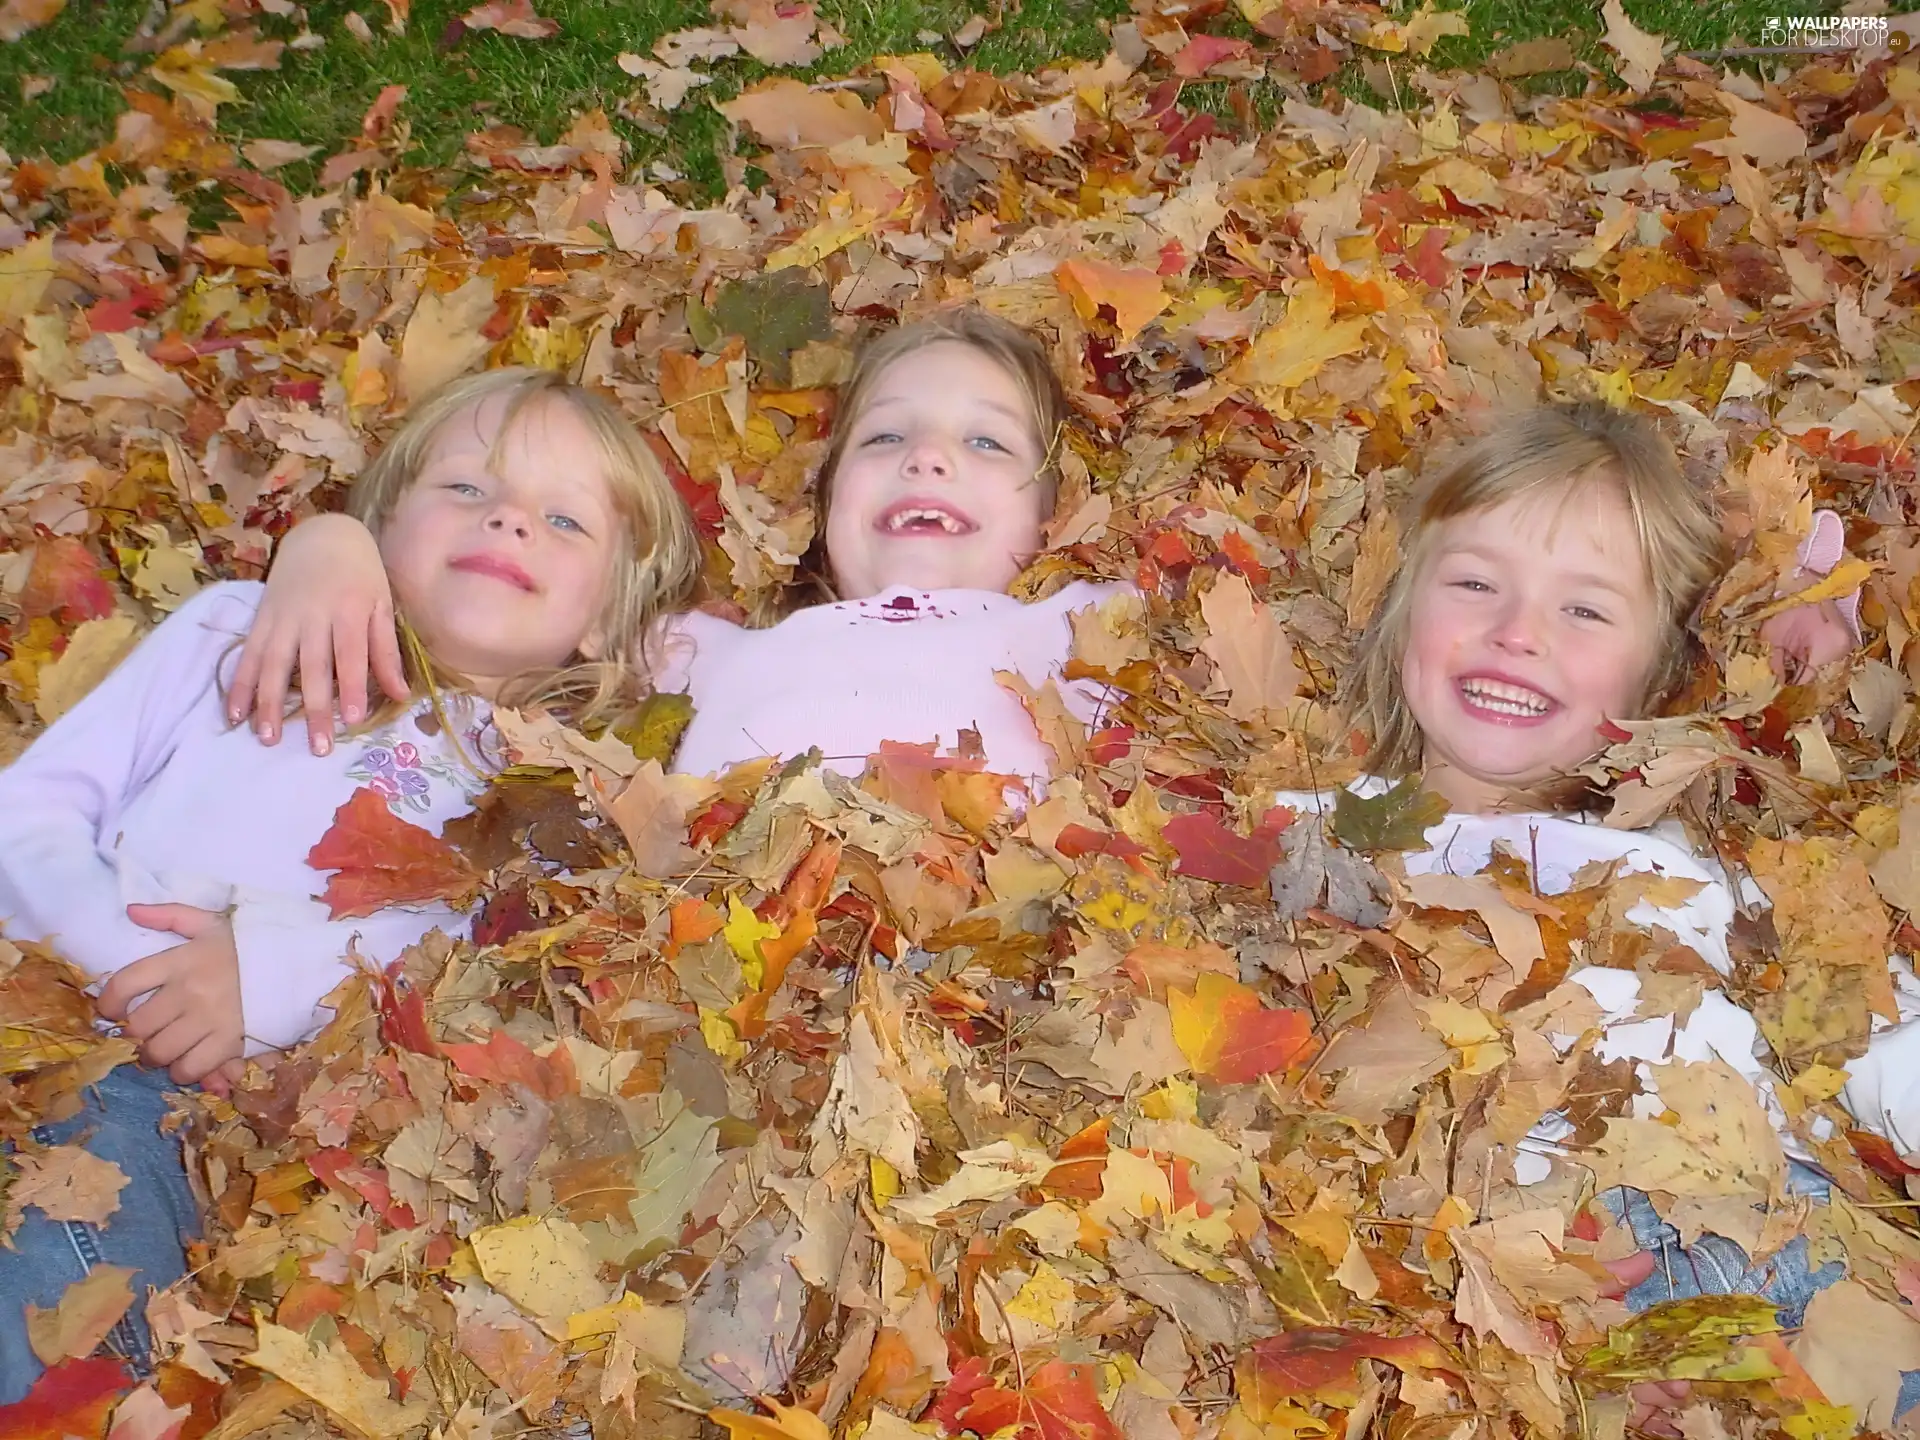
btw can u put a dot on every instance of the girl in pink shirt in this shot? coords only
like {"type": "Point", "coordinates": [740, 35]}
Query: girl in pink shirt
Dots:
{"type": "Point", "coordinates": [527, 535]}
{"type": "Point", "coordinates": [938, 481]}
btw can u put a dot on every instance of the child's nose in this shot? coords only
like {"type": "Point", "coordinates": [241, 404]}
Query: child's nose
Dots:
{"type": "Point", "coordinates": [1518, 631]}
{"type": "Point", "coordinates": [510, 520]}
{"type": "Point", "coordinates": [928, 457]}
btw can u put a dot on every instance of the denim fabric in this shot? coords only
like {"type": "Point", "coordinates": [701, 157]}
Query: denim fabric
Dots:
{"type": "Point", "coordinates": [1714, 1265]}
{"type": "Point", "coordinates": [120, 1122]}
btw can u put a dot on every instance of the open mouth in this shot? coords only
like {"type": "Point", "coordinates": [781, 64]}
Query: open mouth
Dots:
{"type": "Point", "coordinates": [1506, 700]}
{"type": "Point", "coordinates": [496, 567]}
{"type": "Point", "coordinates": [920, 517]}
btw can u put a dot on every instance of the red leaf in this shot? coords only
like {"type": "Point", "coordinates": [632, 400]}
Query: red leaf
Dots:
{"type": "Point", "coordinates": [384, 860]}
{"type": "Point", "coordinates": [1877, 1155]}
{"type": "Point", "coordinates": [403, 1014]}
{"type": "Point", "coordinates": [970, 1377]}
{"type": "Point", "coordinates": [1076, 840]}
{"type": "Point", "coordinates": [64, 580]}
{"type": "Point", "coordinates": [342, 1172]}
{"type": "Point", "coordinates": [506, 1061]}
{"type": "Point", "coordinates": [1324, 1364]}
{"type": "Point", "coordinates": [1066, 1406]}
{"type": "Point", "coordinates": [1208, 850]}
{"type": "Point", "coordinates": [1203, 52]}
{"type": "Point", "coordinates": [74, 1398]}
{"type": "Point", "coordinates": [1229, 1035]}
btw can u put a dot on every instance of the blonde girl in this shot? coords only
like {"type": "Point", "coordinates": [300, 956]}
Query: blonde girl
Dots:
{"type": "Point", "coordinates": [528, 537]}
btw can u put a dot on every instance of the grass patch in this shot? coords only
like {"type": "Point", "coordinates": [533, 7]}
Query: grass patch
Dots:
{"type": "Point", "coordinates": [319, 96]}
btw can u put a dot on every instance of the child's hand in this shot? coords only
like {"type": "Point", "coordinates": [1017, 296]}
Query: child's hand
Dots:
{"type": "Point", "coordinates": [328, 606]}
{"type": "Point", "coordinates": [190, 1022]}
{"type": "Point", "coordinates": [221, 1082]}
{"type": "Point", "coordinates": [1809, 636]}
{"type": "Point", "coordinates": [1805, 638]}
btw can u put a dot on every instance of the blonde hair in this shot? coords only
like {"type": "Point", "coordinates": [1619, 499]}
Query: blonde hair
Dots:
{"type": "Point", "coordinates": [657, 555]}
{"type": "Point", "coordinates": [1556, 447]}
{"type": "Point", "coordinates": [1014, 348]}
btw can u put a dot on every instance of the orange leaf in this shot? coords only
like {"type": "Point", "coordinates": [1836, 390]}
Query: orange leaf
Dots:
{"type": "Point", "coordinates": [1323, 1365]}
{"type": "Point", "coordinates": [384, 860]}
{"type": "Point", "coordinates": [507, 1061]}
{"type": "Point", "coordinates": [73, 1399]}
{"type": "Point", "coordinates": [1134, 296]}
{"type": "Point", "coordinates": [1228, 1035]}
{"type": "Point", "coordinates": [1065, 1405]}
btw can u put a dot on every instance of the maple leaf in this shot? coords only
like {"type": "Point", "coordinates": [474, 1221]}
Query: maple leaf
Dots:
{"type": "Point", "coordinates": [1065, 1405]}
{"type": "Point", "coordinates": [1251, 649]}
{"type": "Point", "coordinates": [1208, 850]}
{"type": "Point", "coordinates": [1640, 52]}
{"type": "Point", "coordinates": [71, 1399]}
{"type": "Point", "coordinates": [1395, 819]}
{"type": "Point", "coordinates": [1134, 296]}
{"type": "Point", "coordinates": [68, 1182]}
{"type": "Point", "coordinates": [1228, 1034]}
{"type": "Point", "coordinates": [383, 860]}
{"type": "Point", "coordinates": [775, 314]}
{"type": "Point", "coordinates": [88, 1309]}
{"type": "Point", "coordinates": [66, 579]}
{"type": "Point", "coordinates": [1323, 1364]}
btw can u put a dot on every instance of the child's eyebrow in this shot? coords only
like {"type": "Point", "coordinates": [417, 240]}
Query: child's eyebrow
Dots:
{"type": "Point", "coordinates": [885, 400]}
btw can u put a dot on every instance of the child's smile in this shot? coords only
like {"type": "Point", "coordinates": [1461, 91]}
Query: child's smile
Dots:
{"type": "Point", "coordinates": [1534, 624]}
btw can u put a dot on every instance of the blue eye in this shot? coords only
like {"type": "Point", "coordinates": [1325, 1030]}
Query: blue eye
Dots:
{"type": "Point", "coordinates": [1587, 612]}
{"type": "Point", "coordinates": [987, 441]}
{"type": "Point", "coordinates": [566, 522]}
{"type": "Point", "coordinates": [882, 437]}
{"type": "Point", "coordinates": [464, 487]}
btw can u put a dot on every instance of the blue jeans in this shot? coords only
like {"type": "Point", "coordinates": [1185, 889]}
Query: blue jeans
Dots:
{"type": "Point", "coordinates": [120, 1122]}
{"type": "Point", "coordinates": [1714, 1265]}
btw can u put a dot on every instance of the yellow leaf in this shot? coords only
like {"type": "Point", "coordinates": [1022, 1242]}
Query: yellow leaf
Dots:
{"type": "Point", "coordinates": [721, 1037]}
{"type": "Point", "coordinates": [1045, 1300]}
{"type": "Point", "coordinates": [1287, 355]}
{"type": "Point", "coordinates": [885, 1180]}
{"type": "Point", "coordinates": [1845, 578]}
{"type": "Point", "coordinates": [789, 1422]}
{"type": "Point", "coordinates": [25, 273]}
{"type": "Point", "coordinates": [546, 1267]}
{"type": "Point", "coordinates": [193, 79]}
{"type": "Point", "coordinates": [92, 652]}
{"type": "Point", "coordinates": [745, 930]}
{"type": "Point", "coordinates": [88, 1309]}
{"type": "Point", "coordinates": [329, 1376]}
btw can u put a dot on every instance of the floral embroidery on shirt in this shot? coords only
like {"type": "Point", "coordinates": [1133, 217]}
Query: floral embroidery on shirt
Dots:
{"type": "Point", "coordinates": [404, 771]}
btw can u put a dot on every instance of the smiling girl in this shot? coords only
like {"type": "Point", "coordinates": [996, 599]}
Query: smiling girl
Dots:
{"type": "Point", "coordinates": [528, 536]}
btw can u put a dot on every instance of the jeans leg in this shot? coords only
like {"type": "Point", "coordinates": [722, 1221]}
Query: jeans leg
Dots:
{"type": "Point", "coordinates": [119, 1122]}
{"type": "Point", "coordinates": [1714, 1265]}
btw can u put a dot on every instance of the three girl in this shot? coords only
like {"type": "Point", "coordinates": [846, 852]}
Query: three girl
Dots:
{"type": "Point", "coordinates": [1547, 588]}
{"type": "Point", "coordinates": [529, 538]}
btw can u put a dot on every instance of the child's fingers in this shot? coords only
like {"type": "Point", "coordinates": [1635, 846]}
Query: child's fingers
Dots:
{"type": "Point", "coordinates": [316, 685]}
{"type": "Point", "coordinates": [272, 675]}
{"type": "Point", "coordinates": [167, 1043]}
{"type": "Point", "coordinates": [350, 668]}
{"type": "Point", "coordinates": [118, 995]}
{"type": "Point", "coordinates": [203, 1062]}
{"type": "Point", "coordinates": [188, 921]}
{"type": "Point", "coordinates": [388, 668]}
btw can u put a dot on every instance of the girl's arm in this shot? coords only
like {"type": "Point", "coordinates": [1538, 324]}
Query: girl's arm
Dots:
{"type": "Point", "coordinates": [328, 606]}
{"type": "Point", "coordinates": [60, 798]}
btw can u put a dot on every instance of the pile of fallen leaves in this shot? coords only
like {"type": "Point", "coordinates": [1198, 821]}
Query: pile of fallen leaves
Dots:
{"type": "Point", "coordinates": [821, 1107]}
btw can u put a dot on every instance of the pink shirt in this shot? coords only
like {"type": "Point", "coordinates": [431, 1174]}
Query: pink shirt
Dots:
{"type": "Point", "coordinates": [911, 666]}
{"type": "Point", "coordinates": [142, 794]}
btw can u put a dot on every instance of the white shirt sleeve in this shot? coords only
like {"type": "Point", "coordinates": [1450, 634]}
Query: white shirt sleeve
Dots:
{"type": "Point", "coordinates": [59, 800]}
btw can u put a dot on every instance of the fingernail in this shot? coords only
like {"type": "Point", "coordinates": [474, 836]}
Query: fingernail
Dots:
{"type": "Point", "coordinates": [352, 713]}
{"type": "Point", "coordinates": [322, 745]}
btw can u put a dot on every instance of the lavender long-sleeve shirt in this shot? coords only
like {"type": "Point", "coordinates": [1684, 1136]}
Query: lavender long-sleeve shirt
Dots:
{"type": "Point", "coordinates": [142, 794]}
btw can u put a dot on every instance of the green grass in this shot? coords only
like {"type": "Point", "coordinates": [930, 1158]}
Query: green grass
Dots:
{"type": "Point", "coordinates": [319, 96]}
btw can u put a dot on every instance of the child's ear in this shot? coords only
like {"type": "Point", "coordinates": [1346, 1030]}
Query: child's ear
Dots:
{"type": "Point", "coordinates": [593, 644]}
